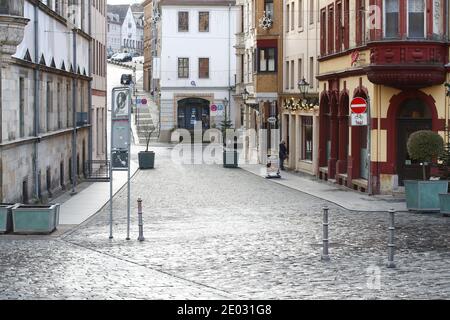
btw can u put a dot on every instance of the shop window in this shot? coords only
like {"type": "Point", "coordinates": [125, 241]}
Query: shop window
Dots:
{"type": "Point", "coordinates": [307, 128]}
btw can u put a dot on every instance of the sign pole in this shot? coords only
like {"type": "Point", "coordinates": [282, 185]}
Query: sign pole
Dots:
{"type": "Point", "coordinates": [111, 195]}
{"type": "Point", "coordinates": [129, 174]}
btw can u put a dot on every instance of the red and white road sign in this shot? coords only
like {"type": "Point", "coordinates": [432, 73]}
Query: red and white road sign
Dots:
{"type": "Point", "coordinates": [358, 105]}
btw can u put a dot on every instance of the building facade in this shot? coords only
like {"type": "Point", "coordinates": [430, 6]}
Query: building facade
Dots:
{"type": "Point", "coordinates": [129, 18]}
{"type": "Point", "coordinates": [394, 54]}
{"type": "Point", "coordinates": [197, 63]}
{"type": "Point", "coordinates": [44, 105]}
{"type": "Point", "coordinates": [300, 112]}
{"type": "Point", "coordinates": [98, 143]}
{"type": "Point", "coordinates": [114, 33]}
{"type": "Point", "coordinates": [260, 68]}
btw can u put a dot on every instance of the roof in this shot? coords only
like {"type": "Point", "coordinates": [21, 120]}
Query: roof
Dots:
{"type": "Point", "coordinates": [197, 2]}
{"type": "Point", "coordinates": [121, 10]}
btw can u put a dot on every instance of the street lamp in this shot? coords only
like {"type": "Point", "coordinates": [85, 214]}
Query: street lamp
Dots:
{"type": "Point", "coordinates": [245, 95]}
{"type": "Point", "coordinates": [303, 87]}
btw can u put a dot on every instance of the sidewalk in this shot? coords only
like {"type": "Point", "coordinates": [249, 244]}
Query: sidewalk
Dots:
{"type": "Point", "coordinates": [88, 202]}
{"type": "Point", "coordinates": [346, 198]}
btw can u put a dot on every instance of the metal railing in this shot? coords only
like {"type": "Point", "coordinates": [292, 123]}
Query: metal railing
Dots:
{"type": "Point", "coordinates": [97, 170]}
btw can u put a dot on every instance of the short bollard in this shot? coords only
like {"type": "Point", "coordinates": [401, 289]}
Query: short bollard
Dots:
{"type": "Point", "coordinates": [391, 244]}
{"type": "Point", "coordinates": [325, 256]}
{"type": "Point", "coordinates": [141, 221]}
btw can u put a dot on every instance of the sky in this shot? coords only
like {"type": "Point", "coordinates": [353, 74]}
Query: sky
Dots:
{"type": "Point", "coordinates": [123, 1]}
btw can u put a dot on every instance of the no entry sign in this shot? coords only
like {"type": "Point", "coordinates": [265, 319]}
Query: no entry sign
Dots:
{"type": "Point", "coordinates": [358, 105]}
{"type": "Point", "coordinates": [359, 112]}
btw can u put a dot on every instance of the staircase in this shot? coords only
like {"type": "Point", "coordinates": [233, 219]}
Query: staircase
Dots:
{"type": "Point", "coordinates": [145, 125]}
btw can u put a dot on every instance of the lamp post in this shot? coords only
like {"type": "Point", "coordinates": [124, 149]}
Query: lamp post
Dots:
{"type": "Point", "coordinates": [303, 86]}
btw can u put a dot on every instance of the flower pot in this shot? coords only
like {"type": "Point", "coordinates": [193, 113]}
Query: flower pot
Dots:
{"type": "Point", "coordinates": [5, 217]}
{"type": "Point", "coordinates": [423, 196]}
{"type": "Point", "coordinates": [444, 202]}
{"type": "Point", "coordinates": [230, 159]}
{"type": "Point", "coordinates": [146, 160]}
{"type": "Point", "coordinates": [35, 219]}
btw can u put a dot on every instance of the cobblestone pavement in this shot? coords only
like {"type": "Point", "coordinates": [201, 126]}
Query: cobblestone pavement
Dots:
{"type": "Point", "coordinates": [215, 233]}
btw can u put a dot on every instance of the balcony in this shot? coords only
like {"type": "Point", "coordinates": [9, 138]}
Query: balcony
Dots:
{"type": "Point", "coordinates": [407, 64]}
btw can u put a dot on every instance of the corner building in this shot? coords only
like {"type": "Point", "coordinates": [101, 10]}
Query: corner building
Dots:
{"type": "Point", "coordinates": [393, 53]}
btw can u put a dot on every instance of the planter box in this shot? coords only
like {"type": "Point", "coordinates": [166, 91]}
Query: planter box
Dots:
{"type": "Point", "coordinates": [5, 217]}
{"type": "Point", "coordinates": [146, 160]}
{"type": "Point", "coordinates": [423, 196]}
{"type": "Point", "coordinates": [35, 219]}
{"type": "Point", "coordinates": [230, 159]}
{"type": "Point", "coordinates": [444, 202]}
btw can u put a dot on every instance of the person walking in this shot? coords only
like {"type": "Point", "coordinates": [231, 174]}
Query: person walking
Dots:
{"type": "Point", "coordinates": [283, 154]}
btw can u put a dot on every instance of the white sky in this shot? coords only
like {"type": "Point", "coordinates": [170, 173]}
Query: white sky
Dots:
{"type": "Point", "coordinates": [123, 1]}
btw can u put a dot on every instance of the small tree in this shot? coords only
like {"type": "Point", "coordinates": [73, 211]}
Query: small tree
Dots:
{"type": "Point", "coordinates": [149, 129]}
{"type": "Point", "coordinates": [425, 146]}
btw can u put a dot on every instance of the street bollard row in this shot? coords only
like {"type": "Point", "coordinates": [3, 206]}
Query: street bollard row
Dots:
{"type": "Point", "coordinates": [391, 240]}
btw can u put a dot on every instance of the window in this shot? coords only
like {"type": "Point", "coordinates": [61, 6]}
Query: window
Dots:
{"type": "Point", "coordinates": [203, 68]}
{"type": "Point", "coordinates": [49, 104]}
{"type": "Point", "coordinates": [287, 18]}
{"type": "Point", "coordinates": [58, 105]}
{"type": "Point", "coordinates": [292, 74]}
{"type": "Point", "coordinates": [391, 18]}
{"type": "Point", "coordinates": [311, 11]}
{"type": "Point", "coordinates": [183, 67]}
{"type": "Point", "coordinates": [183, 21]}
{"type": "Point", "coordinates": [287, 76]}
{"type": "Point", "coordinates": [311, 72]}
{"type": "Point", "coordinates": [268, 6]}
{"type": "Point", "coordinates": [203, 21]}
{"type": "Point", "coordinates": [330, 34]}
{"type": "Point", "coordinates": [300, 70]}
{"type": "Point", "coordinates": [323, 34]}
{"type": "Point", "coordinates": [300, 13]}
{"type": "Point", "coordinates": [22, 107]}
{"type": "Point", "coordinates": [416, 18]}
{"type": "Point", "coordinates": [267, 60]}
{"type": "Point", "coordinates": [292, 15]}
{"type": "Point", "coordinates": [339, 26]}
{"type": "Point", "coordinates": [307, 127]}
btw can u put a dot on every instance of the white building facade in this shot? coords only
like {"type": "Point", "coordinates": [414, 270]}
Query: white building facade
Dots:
{"type": "Point", "coordinates": [44, 108]}
{"type": "Point", "coordinates": [197, 63]}
{"type": "Point", "coordinates": [114, 33]}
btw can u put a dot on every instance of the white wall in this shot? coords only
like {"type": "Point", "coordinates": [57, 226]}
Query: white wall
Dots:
{"type": "Point", "coordinates": [194, 44]}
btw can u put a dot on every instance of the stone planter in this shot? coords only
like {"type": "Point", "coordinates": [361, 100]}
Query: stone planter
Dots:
{"type": "Point", "coordinates": [146, 160]}
{"type": "Point", "coordinates": [230, 159]}
{"type": "Point", "coordinates": [35, 219]}
{"type": "Point", "coordinates": [444, 202]}
{"type": "Point", "coordinates": [423, 196]}
{"type": "Point", "coordinates": [5, 217]}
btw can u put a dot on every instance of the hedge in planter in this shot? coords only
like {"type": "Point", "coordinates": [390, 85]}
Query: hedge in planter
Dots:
{"type": "Point", "coordinates": [424, 146]}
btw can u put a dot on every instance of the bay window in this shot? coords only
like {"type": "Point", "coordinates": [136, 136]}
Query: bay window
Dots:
{"type": "Point", "coordinates": [391, 18]}
{"type": "Point", "coordinates": [416, 19]}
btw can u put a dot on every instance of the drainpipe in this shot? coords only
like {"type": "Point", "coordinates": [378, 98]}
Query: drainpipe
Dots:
{"type": "Point", "coordinates": [37, 97]}
{"type": "Point", "coordinates": [90, 147]}
{"type": "Point", "coordinates": [74, 114]}
{"type": "Point", "coordinates": [229, 60]}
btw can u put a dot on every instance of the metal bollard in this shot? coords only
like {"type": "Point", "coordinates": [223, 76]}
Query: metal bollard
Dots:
{"type": "Point", "coordinates": [325, 256]}
{"type": "Point", "coordinates": [141, 221]}
{"type": "Point", "coordinates": [391, 244]}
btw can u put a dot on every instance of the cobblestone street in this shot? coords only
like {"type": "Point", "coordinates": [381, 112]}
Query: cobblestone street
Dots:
{"type": "Point", "coordinates": [215, 233]}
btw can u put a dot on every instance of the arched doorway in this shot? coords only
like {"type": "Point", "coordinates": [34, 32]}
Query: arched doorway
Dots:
{"type": "Point", "coordinates": [413, 115]}
{"type": "Point", "coordinates": [359, 165]}
{"type": "Point", "coordinates": [191, 111]}
{"type": "Point", "coordinates": [343, 119]}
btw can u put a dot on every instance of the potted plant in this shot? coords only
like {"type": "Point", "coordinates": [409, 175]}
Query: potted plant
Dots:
{"type": "Point", "coordinates": [5, 217]}
{"type": "Point", "coordinates": [444, 173]}
{"type": "Point", "coordinates": [35, 219]}
{"type": "Point", "coordinates": [147, 158]}
{"type": "Point", "coordinates": [423, 195]}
